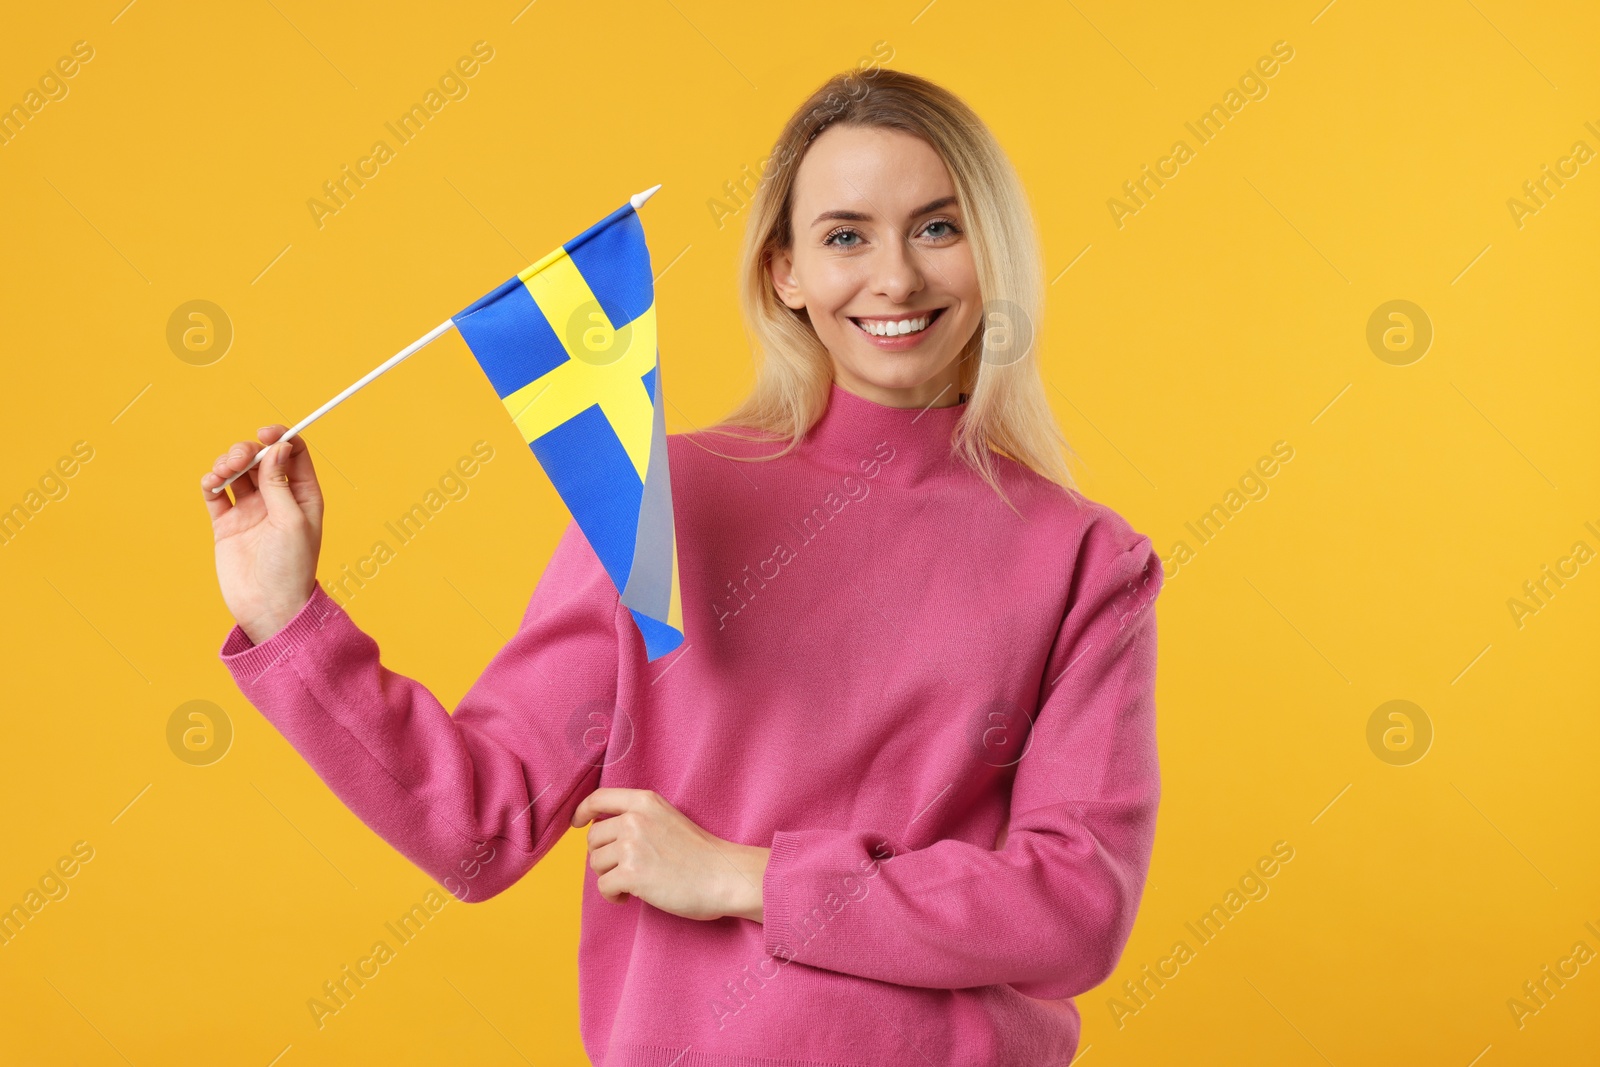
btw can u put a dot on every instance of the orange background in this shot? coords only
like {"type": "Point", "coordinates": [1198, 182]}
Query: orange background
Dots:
{"type": "Point", "coordinates": [1229, 313]}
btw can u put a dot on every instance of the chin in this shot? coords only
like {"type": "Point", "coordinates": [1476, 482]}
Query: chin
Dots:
{"type": "Point", "coordinates": [899, 374]}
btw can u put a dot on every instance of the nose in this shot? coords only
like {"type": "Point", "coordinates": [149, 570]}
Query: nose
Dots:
{"type": "Point", "coordinates": [897, 270]}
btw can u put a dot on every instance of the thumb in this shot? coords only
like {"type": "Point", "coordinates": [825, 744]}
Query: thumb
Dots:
{"type": "Point", "coordinates": [273, 481]}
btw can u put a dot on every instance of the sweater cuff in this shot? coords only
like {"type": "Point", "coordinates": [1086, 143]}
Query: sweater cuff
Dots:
{"type": "Point", "coordinates": [248, 661]}
{"type": "Point", "coordinates": [775, 920]}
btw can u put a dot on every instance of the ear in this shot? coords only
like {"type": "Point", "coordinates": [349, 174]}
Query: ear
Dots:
{"type": "Point", "coordinates": [780, 268]}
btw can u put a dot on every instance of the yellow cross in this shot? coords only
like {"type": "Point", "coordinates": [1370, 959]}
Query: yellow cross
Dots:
{"type": "Point", "coordinates": [545, 403]}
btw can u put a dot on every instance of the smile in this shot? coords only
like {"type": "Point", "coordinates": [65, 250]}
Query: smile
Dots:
{"type": "Point", "coordinates": [897, 327]}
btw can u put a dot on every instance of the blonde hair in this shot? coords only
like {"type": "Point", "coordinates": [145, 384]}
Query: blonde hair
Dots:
{"type": "Point", "coordinates": [1007, 411]}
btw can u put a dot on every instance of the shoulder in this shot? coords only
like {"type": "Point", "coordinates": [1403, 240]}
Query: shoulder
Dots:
{"type": "Point", "coordinates": [1101, 548]}
{"type": "Point", "coordinates": [1080, 521]}
{"type": "Point", "coordinates": [1115, 563]}
{"type": "Point", "coordinates": [1106, 531]}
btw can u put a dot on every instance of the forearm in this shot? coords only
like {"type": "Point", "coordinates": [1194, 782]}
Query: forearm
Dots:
{"type": "Point", "coordinates": [473, 800]}
{"type": "Point", "coordinates": [1049, 913]}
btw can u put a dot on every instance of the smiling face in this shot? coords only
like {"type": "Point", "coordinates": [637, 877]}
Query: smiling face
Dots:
{"type": "Point", "coordinates": [882, 265]}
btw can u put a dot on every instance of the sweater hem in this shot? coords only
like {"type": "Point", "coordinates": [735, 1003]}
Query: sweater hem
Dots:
{"type": "Point", "coordinates": [777, 935]}
{"type": "Point", "coordinates": [667, 1056]}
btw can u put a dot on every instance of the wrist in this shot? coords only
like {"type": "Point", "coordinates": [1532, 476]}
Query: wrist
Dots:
{"type": "Point", "coordinates": [260, 631]}
{"type": "Point", "coordinates": [266, 625]}
{"type": "Point", "coordinates": [750, 868]}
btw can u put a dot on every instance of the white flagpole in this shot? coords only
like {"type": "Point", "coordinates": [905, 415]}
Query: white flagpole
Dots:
{"type": "Point", "coordinates": [637, 200]}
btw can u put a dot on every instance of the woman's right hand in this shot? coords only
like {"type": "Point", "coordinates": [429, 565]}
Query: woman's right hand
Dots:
{"type": "Point", "coordinates": [268, 537]}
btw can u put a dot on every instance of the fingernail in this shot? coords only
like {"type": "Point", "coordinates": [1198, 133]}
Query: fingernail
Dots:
{"type": "Point", "coordinates": [263, 431]}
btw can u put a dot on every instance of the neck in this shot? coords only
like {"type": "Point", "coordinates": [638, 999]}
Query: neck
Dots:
{"type": "Point", "coordinates": [897, 445]}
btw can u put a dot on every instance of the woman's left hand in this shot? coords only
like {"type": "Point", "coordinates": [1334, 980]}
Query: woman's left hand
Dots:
{"type": "Point", "coordinates": [649, 849]}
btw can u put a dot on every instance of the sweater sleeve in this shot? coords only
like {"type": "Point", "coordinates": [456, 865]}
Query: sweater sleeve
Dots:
{"type": "Point", "coordinates": [474, 799]}
{"type": "Point", "coordinates": [1049, 911]}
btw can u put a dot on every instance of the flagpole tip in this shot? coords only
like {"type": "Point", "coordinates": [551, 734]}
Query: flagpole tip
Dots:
{"type": "Point", "coordinates": [638, 199]}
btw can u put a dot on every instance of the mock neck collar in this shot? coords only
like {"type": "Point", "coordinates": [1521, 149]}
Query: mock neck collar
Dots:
{"type": "Point", "coordinates": [854, 429]}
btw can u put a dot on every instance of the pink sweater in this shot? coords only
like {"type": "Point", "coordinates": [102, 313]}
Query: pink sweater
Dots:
{"type": "Point", "coordinates": [938, 714]}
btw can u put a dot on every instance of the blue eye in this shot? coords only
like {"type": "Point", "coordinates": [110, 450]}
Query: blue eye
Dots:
{"type": "Point", "coordinates": [845, 231]}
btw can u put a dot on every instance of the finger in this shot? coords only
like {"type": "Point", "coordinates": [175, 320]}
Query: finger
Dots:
{"type": "Point", "coordinates": [609, 884]}
{"type": "Point", "coordinates": [238, 456]}
{"type": "Point", "coordinates": [608, 800]}
{"type": "Point", "coordinates": [302, 475]}
{"type": "Point", "coordinates": [224, 467]}
{"type": "Point", "coordinates": [217, 504]}
{"type": "Point", "coordinates": [602, 860]}
{"type": "Point", "coordinates": [268, 435]}
{"type": "Point", "coordinates": [272, 479]}
{"type": "Point", "coordinates": [232, 462]}
{"type": "Point", "coordinates": [603, 832]}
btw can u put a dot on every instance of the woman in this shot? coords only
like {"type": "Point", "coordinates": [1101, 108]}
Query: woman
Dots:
{"type": "Point", "coordinates": [893, 800]}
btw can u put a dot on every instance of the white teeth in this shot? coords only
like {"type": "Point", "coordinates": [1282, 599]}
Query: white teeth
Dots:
{"type": "Point", "coordinates": [894, 329]}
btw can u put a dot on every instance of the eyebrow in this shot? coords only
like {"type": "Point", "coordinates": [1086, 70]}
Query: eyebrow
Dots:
{"type": "Point", "coordinates": [858, 216]}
